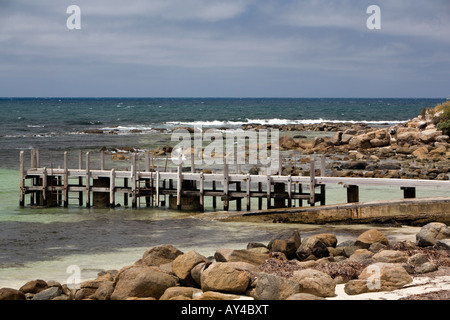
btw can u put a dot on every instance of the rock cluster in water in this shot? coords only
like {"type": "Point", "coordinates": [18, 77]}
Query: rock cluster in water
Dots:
{"type": "Point", "coordinates": [288, 267]}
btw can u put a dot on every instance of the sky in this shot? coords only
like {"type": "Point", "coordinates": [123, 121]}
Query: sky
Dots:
{"type": "Point", "coordinates": [228, 48]}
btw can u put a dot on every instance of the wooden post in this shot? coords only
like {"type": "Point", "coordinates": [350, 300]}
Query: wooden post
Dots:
{"type": "Point", "coordinates": [323, 166]}
{"type": "Point", "coordinates": [290, 191]}
{"type": "Point", "coordinates": [269, 187]}
{"type": "Point", "coordinates": [312, 184]}
{"type": "Point", "coordinates": [126, 194]}
{"type": "Point", "coordinates": [102, 160]}
{"type": "Point", "coordinates": [66, 180]}
{"type": "Point", "coordinates": [238, 199]}
{"type": "Point", "coordinates": [259, 197]}
{"type": "Point", "coordinates": [179, 185]}
{"type": "Point", "coordinates": [322, 195]}
{"type": "Point", "coordinates": [352, 193]}
{"type": "Point", "coordinates": [214, 200]}
{"type": "Point", "coordinates": [409, 193]}
{"type": "Point", "coordinates": [248, 192]}
{"type": "Point", "coordinates": [88, 181]}
{"type": "Point", "coordinates": [112, 189]}
{"type": "Point", "coordinates": [202, 189]}
{"type": "Point", "coordinates": [22, 179]}
{"type": "Point", "coordinates": [38, 158]}
{"type": "Point", "coordinates": [133, 181]}
{"type": "Point", "coordinates": [225, 183]}
{"type": "Point", "coordinates": [33, 159]}
{"type": "Point", "coordinates": [44, 188]}
{"type": "Point", "coordinates": [80, 179]}
{"type": "Point", "coordinates": [157, 188]}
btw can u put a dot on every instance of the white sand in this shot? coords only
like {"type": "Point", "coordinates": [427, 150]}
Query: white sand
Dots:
{"type": "Point", "coordinates": [419, 285]}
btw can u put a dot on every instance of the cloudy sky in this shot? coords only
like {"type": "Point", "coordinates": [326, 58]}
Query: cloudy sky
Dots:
{"type": "Point", "coordinates": [228, 48]}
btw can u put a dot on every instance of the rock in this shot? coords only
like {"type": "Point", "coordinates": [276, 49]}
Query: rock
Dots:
{"type": "Point", "coordinates": [312, 247]}
{"type": "Point", "coordinates": [443, 244]}
{"type": "Point", "coordinates": [376, 247]}
{"type": "Point", "coordinates": [328, 239]}
{"type": "Point", "coordinates": [159, 255]}
{"type": "Point", "coordinates": [286, 242]}
{"type": "Point", "coordinates": [389, 165]}
{"type": "Point", "coordinates": [48, 294]}
{"type": "Point", "coordinates": [418, 259]}
{"type": "Point", "coordinates": [428, 136]}
{"type": "Point", "coordinates": [304, 296]}
{"type": "Point", "coordinates": [11, 294]}
{"type": "Point", "coordinates": [252, 245]}
{"type": "Point", "coordinates": [421, 152]}
{"type": "Point", "coordinates": [314, 282]}
{"type": "Point", "coordinates": [173, 292]}
{"type": "Point", "coordinates": [287, 143]}
{"type": "Point", "coordinates": [142, 282]}
{"type": "Point", "coordinates": [183, 264]}
{"type": "Point", "coordinates": [196, 272]}
{"type": "Point", "coordinates": [222, 277]}
{"type": "Point", "coordinates": [407, 136]}
{"type": "Point", "coordinates": [354, 165]}
{"type": "Point", "coordinates": [273, 287]}
{"type": "Point", "coordinates": [430, 233]}
{"type": "Point", "coordinates": [34, 286]}
{"type": "Point", "coordinates": [249, 256]}
{"type": "Point", "coordinates": [360, 142]}
{"type": "Point", "coordinates": [362, 256]}
{"type": "Point", "coordinates": [426, 267]}
{"type": "Point", "coordinates": [391, 256]}
{"type": "Point", "coordinates": [104, 291]}
{"type": "Point", "coordinates": [379, 277]}
{"type": "Point", "coordinates": [369, 237]}
{"type": "Point", "coordinates": [211, 295]}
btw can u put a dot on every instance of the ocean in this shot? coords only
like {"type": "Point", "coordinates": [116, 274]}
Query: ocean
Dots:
{"type": "Point", "coordinates": [43, 243]}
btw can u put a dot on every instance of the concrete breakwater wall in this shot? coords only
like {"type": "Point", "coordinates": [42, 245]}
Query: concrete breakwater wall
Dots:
{"type": "Point", "coordinates": [407, 211]}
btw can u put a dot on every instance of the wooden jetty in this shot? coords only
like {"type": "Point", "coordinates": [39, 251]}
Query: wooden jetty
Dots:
{"type": "Point", "coordinates": [185, 190]}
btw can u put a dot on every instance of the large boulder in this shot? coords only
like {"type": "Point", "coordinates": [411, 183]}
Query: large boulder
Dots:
{"type": "Point", "coordinates": [34, 286]}
{"type": "Point", "coordinates": [222, 277]}
{"type": "Point", "coordinates": [48, 294]}
{"type": "Point", "coordinates": [391, 256]}
{"type": "Point", "coordinates": [142, 282]}
{"type": "Point", "coordinates": [286, 242]}
{"type": "Point", "coordinates": [273, 287]}
{"type": "Point", "coordinates": [249, 256]}
{"type": "Point", "coordinates": [315, 282]}
{"type": "Point", "coordinates": [369, 237]}
{"type": "Point", "coordinates": [379, 277]}
{"type": "Point", "coordinates": [183, 264]}
{"type": "Point", "coordinates": [430, 233]}
{"type": "Point", "coordinates": [160, 255]}
{"type": "Point", "coordinates": [11, 294]}
{"type": "Point", "coordinates": [176, 292]}
{"type": "Point", "coordinates": [313, 247]}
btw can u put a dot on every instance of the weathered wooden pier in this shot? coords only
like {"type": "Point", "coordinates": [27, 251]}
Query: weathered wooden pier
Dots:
{"type": "Point", "coordinates": [185, 190]}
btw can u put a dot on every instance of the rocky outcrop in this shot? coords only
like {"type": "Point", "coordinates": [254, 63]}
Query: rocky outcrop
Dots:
{"type": "Point", "coordinates": [368, 263]}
